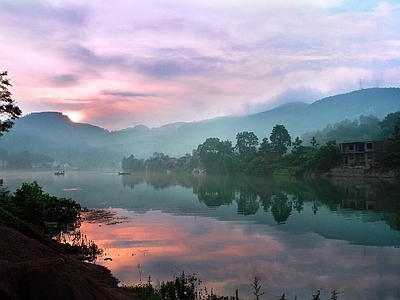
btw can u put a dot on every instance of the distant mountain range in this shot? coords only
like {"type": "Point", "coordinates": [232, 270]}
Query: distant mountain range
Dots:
{"type": "Point", "coordinates": [55, 135]}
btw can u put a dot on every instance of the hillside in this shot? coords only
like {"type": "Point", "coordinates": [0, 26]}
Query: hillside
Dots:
{"type": "Point", "coordinates": [53, 134]}
{"type": "Point", "coordinates": [32, 270]}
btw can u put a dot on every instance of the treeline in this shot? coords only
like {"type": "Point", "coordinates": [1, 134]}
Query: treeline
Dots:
{"type": "Point", "coordinates": [361, 129]}
{"type": "Point", "coordinates": [268, 157]}
{"type": "Point", "coordinates": [159, 162]}
{"type": "Point", "coordinates": [24, 160]}
{"type": "Point", "coordinates": [248, 155]}
{"type": "Point", "coordinates": [318, 154]}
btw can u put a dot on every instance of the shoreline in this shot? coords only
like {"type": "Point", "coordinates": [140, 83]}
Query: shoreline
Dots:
{"type": "Point", "coordinates": [31, 269]}
{"type": "Point", "coordinates": [363, 172]}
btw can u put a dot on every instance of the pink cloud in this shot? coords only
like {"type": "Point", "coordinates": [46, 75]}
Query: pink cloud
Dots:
{"type": "Point", "coordinates": [224, 57]}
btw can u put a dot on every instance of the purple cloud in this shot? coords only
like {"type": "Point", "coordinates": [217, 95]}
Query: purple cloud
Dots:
{"type": "Point", "coordinates": [65, 80]}
{"type": "Point", "coordinates": [89, 57]}
{"type": "Point", "coordinates": [226, 56]}
{"type": "Point", "coordinates": [39, 13]}
{"type": "Point", "coordinates": [125, 94]}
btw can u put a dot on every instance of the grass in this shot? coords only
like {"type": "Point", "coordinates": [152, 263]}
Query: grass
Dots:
{"type": "Point", "coordinates": [187, 287]}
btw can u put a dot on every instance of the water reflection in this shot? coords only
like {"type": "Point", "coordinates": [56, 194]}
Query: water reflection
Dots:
{"type": "Point", "coordinates": [226, 255]}
{"type": "Point", "coordinates": [296, 236]}
{"type": "Point", "coordinates": [215, 191]}
{"type": "Point", "coordinates": [133, 179]}
{"type": "Point", "coordinates": [283, 197]}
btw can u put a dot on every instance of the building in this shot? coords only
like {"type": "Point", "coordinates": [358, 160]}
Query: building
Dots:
{"type": "Point", "coordinates": [364, 154]}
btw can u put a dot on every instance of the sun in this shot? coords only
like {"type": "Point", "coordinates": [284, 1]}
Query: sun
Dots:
{"type": "Point", "coordinates": [74, 116]}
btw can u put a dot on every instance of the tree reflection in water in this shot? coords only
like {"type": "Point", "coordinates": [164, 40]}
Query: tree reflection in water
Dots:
{"type": "Point", "coordinates": [281, 196]}
{"type": "Point", "coordinates": [281, 208]}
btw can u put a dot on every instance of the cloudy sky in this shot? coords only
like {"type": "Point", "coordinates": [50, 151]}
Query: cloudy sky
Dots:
{"type": "Point", "coordinates": [121, 63]}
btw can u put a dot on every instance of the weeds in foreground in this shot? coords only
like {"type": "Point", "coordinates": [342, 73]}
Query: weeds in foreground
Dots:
{"type": "Point", "coordinates": [187, 287]}
{"type": "Point", "coordinates": [184, 287]}
{"type": "Point", "coordinates": [257, 287]}
{"type": "Point", "coordinates": [85, 249]}
{"type": "Point", "coordinates": [317, 296]}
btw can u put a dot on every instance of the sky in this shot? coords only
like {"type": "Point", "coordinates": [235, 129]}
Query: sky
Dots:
{"type": "Point", "coordinates": [117, 64]}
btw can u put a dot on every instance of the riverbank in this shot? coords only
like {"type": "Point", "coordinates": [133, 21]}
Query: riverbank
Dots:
{"type": "Point", "coordinates": [32, 270]}
{"type": "Point", "coordinates": [364, 172]}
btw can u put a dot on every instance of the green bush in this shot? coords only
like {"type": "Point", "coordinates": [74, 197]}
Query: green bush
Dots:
{"type": "Point", "coordinates": [31, 204]}
{"type": "Point", "coordinates": [40, 216]}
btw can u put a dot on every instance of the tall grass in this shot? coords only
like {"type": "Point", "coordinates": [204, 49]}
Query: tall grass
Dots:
{"type": "Point", "coordinates": [187, 287]}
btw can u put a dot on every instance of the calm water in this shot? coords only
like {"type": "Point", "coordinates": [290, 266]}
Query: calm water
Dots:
{"type": "Point", "coordinates": [297, 237]}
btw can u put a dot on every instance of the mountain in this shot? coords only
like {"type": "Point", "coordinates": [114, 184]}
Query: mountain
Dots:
{"type": "Point", "coordinates": [55, 135]}
{"type": "Point", "coordinates": [298, 118]}
{"type": "Point", "coordinates": [50, 133]}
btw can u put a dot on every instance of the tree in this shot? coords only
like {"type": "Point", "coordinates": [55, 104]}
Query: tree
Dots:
{"type": "Point", "coordinates": [388, 125]}
{"type": "Point", "coordinates": [262, 164]}
{"type": "Point", "coordinates": [31, 204]}
{"type": "Point", "coordinates": [313, 142]}
{"type": "Point", "coordinates": [326, 157]}
{"type": "Point", "coordinates": [281, 208]}
{"type": "Point", "coordinates": [280, 139]}
{"type": "Point", "coordinates": [246, 144]}
{"type": "Point", "coordinates": [297, 147]}
{"type": "Point", "coordinates": [369, 127]}
{"type": "Point", "coordinates": [212, 154]}
{"type": "Point", "coordinates": [130, 164]}
{"type": "Point", "coordinates": [265, 147]}
{"type": "Point", "coordinates": [259, 166]}
{"type": "Point", "coordinates": [393, 157]}
{"type": "Point", "coordinates": [9, 111]}
{"type": "Point", "coordinates": [299, 152]}
{"type": "Point", "coordinates": [159, 161]}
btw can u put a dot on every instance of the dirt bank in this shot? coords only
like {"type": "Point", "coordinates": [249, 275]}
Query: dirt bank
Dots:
{"type": "Point", "coordinates": [31, 270]}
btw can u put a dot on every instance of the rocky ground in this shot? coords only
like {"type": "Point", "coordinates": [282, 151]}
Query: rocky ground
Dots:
{"type": "Point", "coordinates": [31, 270]}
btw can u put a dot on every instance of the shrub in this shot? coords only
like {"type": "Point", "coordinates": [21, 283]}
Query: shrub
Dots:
{"type": "Point", "coordinates": [30, 203]}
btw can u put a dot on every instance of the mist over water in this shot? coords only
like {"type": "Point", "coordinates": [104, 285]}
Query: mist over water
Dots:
{"type": "Point", "coordinates": [296, 236]}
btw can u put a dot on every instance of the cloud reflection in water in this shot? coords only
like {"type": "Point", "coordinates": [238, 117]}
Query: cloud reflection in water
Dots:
{"type": "Point", "coordinates": [227, 255]}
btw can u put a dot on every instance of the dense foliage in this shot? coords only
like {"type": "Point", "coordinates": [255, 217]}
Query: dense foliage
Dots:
{"type": "Point", "coordinates": [391, 129]}
{"type": "Point", "coordinates": [280, 139]}
{"type": "Point", "coordinates": [246, 145]}
{"type": "Point", "coordinates": [31, 204]}
{"type": "Point", "coordinates": [311, 159]}
{"type": "Point", "coordinates": [366, 128]}
{"type": "Point", "coordinates": [158, 162]}
{"type": "Point", "coordinates": [216, 155]}
{"type": "Point", "coordinates": [266, 158]}
{"type": "Point", "coordinates": [390, 126]}
{"type": "Point", "coordinates": [25, 160]}
{"type": "Point", "coordinates": [44, 217]}
{"type": "Point", "coordinates": [271, 156]}
{"type": "Point", "coordinates": [130, 164]}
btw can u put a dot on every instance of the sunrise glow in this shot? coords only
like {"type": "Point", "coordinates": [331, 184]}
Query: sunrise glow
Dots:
{"type": "Point", "coordinates": [75, 116]}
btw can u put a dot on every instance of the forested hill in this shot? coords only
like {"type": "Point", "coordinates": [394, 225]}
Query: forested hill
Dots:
{"type": "Point", "coordinates": [53, 134]}
{"type": "Point", "coordinates": [300, 118]}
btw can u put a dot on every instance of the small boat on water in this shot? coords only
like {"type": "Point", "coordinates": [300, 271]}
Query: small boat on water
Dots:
{"type": "Point", "coordinates": [60, 173]}
{"type": "Point", "coordinates": [124, 173]}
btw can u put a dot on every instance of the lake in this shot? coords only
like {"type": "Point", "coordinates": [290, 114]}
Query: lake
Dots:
{"type": "Point", "coordinates": [297, 237]}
